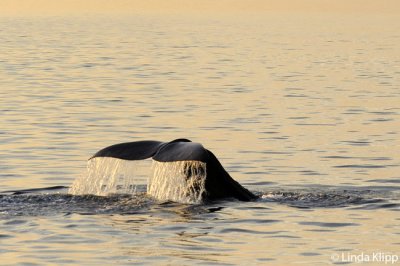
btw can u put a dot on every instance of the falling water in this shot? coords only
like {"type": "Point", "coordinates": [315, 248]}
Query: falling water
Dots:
{"type": "Point", "coordinates": [107, 176]}
{"type": "Point", "coordinates": [181, 181]}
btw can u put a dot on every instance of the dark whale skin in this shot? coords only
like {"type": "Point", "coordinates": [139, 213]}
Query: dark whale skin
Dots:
{"type": "Point", "coordinates": [218, 184]}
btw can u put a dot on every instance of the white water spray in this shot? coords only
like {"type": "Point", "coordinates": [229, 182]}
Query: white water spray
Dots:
{"type": "Point", "coordinates": [181, 181]}
{"type": "Point", "coordinates": [110, 176]}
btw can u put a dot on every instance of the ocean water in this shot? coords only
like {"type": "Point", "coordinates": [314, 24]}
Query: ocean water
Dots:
{"type": "Point", "coordinates": [303, 110]}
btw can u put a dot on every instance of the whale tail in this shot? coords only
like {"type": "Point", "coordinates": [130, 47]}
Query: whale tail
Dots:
{"type": "Point", "coordinates": [181, 170]}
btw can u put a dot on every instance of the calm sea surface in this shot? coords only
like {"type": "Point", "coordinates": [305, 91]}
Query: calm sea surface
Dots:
{"type": "Point", "coordinates": [302, 110]}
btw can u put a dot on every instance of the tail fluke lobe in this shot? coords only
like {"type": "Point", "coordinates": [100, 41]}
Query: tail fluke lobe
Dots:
{"type": "Point", "coordinates": [137, 150]}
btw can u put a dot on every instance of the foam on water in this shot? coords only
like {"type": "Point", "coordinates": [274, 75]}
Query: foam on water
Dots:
{"type": "Point", "coordinates": [107, 176]}
{"type": "Point", "coordinates": [181, 181]}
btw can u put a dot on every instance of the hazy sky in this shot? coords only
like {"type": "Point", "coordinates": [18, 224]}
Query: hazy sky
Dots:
{"type": "Point", "coordinates": [56, 7]}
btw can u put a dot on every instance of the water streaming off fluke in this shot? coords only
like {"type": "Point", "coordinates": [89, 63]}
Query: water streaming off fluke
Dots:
{"type": "Point", "coordinates": [107, 176]}
{"type": "Point", "coordinates": [181, 181]}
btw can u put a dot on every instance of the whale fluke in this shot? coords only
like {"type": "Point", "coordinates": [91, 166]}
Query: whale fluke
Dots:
{"type": "Point", "coordinates": [200, 164]}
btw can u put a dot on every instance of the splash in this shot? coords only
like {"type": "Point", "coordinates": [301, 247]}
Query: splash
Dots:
{"type": "Point", "coordinates": [107, 176]}
{"type": "Point", "coordinates": [181, 181]}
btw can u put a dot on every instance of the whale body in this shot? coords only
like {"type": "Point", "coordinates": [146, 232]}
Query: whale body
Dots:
{"type": "Point", "coordinates": [196, 162]}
